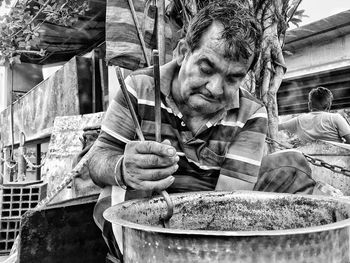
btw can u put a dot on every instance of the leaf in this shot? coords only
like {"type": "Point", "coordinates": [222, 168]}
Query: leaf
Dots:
{"type": "Point", "coordinates": [295, 20]}
{"type": "Point", "coordinates": [288, 53]}
{"type": "Point", "coordinates": [22, 44]}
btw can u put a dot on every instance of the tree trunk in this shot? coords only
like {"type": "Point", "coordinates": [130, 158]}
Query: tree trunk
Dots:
{"type": "Point", "coordinates": [271, 66]}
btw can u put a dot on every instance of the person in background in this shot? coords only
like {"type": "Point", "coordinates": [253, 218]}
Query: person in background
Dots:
{"type": "Point", "coordinates": [319, 123]}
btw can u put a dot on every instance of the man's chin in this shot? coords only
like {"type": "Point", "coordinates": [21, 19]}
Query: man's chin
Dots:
{"type": "Point", "coordinates": [204, 108]}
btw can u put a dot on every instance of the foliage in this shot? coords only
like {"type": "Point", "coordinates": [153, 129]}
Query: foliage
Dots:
{"type": "Point", "coordinates": [20, 29]}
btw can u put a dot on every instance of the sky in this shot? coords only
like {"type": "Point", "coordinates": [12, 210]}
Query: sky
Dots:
{"type": "Point", "coordinates": [318, 9]}
{"type": "Point", "coordinates": [315, 9]}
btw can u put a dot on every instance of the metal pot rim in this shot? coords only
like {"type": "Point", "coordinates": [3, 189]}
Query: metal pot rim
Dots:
{"type": "Point", "coordinates": [109, 216]}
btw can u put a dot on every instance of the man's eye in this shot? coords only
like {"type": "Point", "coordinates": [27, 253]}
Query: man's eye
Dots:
{"type": "Point", "coordinates": [206, 69]}
{"type": "Point", "coordinates": [233, 79]}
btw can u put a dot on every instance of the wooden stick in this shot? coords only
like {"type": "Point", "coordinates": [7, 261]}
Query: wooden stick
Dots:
{"type": "Point", "coordinates": [68, 178]}
{"type": "Point", "coordinates": [157, 100]}
{"type": "Point", "coordinates": [158, 123]}
{"type": "Point", "coordinates": [128, 102]}
{"type": "Point", "coordinates": [139, 33]}
{"type": "Point", "coordinates": [160, 4]}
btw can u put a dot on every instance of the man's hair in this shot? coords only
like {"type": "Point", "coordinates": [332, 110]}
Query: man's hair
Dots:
{"type": "Point", "coordinates": [320, 98]}
{"type": "Point", "coordinates": [241, 30]}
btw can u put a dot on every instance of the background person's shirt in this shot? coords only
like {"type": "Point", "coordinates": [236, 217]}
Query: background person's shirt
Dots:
{"type": "Point", "coordinates": [318, 125]}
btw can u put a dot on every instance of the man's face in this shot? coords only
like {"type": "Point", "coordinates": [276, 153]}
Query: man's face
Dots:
{"type": "Point", "coordinates": [208, 80]}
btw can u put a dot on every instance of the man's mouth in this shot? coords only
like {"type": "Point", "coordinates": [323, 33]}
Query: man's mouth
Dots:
{"type": "Point", "coordinates": [208, 97]}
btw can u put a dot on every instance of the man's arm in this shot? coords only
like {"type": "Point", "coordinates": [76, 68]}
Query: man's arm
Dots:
{"type": "Point", "coordinates": [343, 127]}
{"type": "Point", "coordinates": [290, 125]}
{"type": "Point", "coordinates": [102, 164]}
{"type": "Point", "coordinates": [120, 160]}
{"type": "Point", "coordinates": [145, 165]}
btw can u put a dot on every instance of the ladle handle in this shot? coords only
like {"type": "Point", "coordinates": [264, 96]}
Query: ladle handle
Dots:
{"type": "Point", "coordinates": [170, 207]}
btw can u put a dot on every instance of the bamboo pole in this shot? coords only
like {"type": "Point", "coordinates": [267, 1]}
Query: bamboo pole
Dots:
{"type": "Point", "coordinates": [157, 100]}
{"type": "Point", "coordinates": [160, 24]}
{"type": "Point", "coordinates": [139, 33]}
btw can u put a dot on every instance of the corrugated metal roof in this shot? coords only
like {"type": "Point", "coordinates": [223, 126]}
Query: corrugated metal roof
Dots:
{"type": "Point", "coordinates": [321, 30]}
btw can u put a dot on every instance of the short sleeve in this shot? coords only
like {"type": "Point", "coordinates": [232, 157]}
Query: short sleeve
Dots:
{"type": "Point", "coordinates": [290, 125]}
{"type": "Point", "coordinates": [342, 125]}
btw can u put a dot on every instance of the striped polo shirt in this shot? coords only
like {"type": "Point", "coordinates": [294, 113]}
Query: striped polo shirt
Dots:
{"type": "Point", "coordinates": [230, 144]}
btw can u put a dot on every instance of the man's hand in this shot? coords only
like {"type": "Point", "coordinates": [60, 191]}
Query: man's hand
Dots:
{"type": "Point", "coordinates": [148, 165]}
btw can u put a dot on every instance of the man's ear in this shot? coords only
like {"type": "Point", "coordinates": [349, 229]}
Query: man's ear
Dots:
{"type": "Point", "coordinates": [181, 51]}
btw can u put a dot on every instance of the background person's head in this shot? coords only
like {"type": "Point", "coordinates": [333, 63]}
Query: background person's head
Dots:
{"type": "Point", "coordinates": [320, 99]}
{"type": "Point", "coordinates": [214, 58]}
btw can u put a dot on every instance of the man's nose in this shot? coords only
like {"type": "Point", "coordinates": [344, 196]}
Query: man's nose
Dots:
{"type": "Point", "coordinates": [216, 85]}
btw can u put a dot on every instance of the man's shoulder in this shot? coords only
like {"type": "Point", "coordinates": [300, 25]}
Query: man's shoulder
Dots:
{"type": "Point", "coordinates": [141, 81]}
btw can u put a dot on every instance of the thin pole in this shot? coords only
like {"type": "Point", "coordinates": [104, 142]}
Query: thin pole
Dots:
{"type": "Point", "coordinates": [160, 4]}
{"type": "Point", "coordinates": [139, 33]}
{"type": "Point", "coordinates": [128, 102]}
{"type": "Point", "coordinates": [11, 114]}
{"type": "Point", "coordinates": [157, 100]}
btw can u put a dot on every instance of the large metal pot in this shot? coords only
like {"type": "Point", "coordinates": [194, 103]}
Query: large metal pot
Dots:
{"type": "Point", "coordinates": [240, 226]}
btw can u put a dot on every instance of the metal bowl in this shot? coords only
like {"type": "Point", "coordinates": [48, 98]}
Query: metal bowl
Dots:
{"type": "Point", "coordinates": [241, 226]}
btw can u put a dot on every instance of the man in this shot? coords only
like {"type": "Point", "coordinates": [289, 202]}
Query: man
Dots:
{"type": "Point", "coordinates": [319, 123]}
{"type": "Point", "coordinates": [213, 131]}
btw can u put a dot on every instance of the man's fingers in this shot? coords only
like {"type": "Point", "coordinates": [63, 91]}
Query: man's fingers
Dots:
{"type": "Point", "coordinates": [157, 174]}
{"type": "Point", "coordinates": [167, 142]}
{"type": "Point", "coordinates": [151, 147]}
{"type": "Point", "coordinates": [153, 161]}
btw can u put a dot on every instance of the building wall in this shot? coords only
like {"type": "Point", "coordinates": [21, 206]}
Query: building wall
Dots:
{"type": "Point", "coordinates": [317, 57]}
{"type": "Point", "coordinates": [67, 92]}
{"type": "Point", "coordinates": [320, 57]}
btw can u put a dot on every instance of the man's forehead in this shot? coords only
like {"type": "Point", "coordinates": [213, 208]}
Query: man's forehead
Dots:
{"type": "Point", "coordinates": [218, 58]}
{"type": "Point", "coordinates": [212, 42]}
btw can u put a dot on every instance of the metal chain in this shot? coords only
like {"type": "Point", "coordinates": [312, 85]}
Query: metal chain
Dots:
{"type": "Point", "coordinates": [313, 160]}
{"type": "Point", "coordinates": [34, 165]}
{"type": "Point", "coordinates": [26, 158]}
{"type": "Point", "coordinates": [8, 164]}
